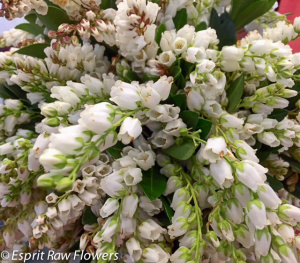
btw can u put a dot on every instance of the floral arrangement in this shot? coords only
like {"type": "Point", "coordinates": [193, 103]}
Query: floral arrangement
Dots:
{"type": "Point", "coordinates": [146, 129]}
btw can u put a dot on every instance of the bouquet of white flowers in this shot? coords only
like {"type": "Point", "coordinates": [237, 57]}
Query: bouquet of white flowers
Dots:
{"type": "Point", "coordinates": [145, 130]}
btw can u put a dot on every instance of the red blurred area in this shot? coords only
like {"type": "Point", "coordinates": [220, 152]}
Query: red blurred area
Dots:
{"type": "Point", "coordinates": [291, 6]}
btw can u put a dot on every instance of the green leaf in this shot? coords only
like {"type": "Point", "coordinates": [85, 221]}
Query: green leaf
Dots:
{"type": "Point", "coordinates": [34, 50]}
{"type": "Point", "coordinates": [180, 20]}
{"type": "Point", "coordinates": [54, 18]}
{"type": "Point", "coordinates": [205, 126]}
{"type": "Point", "coordinates": [130, 76]}
{"type": "Point", "coordinates": [6, 93]}
{"type": "Point", "coordinates": [18, 93]}
{"type": "Point", "coordinates": [264, 152]}
{"type": "Point", "coordinates": [274, 183]}
{"type": "Point", "coordinates": [115, 151]}
{"type": "Point", "coordinates": [153, 183]}
{"type": "Point", "coordinates": [180, 100]}
{"type": "Point", "coordinates": [182, 151]}
{"type": "Point", "coordinates": [235, 93]}
{"type": "Point", "coordinates": [146, 77]}
{"type": "Point", "coordinates": [31, 18]}
{"type": "Point", "coordinates": [108, 4]}
{"type": "Point", "coordinates": [161, 28]}
{"type": "Point", "coordinates": [201, 26]}
{"type": "Point", "coordinates": [190, 118]}
{"type": "Point", "coordinates": [187, 68]}
{"type": "Point", "coordinates": [224, 27]}
{"type": "Point", "coordinates": [169, 211]}
{"type": "Point", "coordinates": [175, 71]}
{"type": "Point", "coordinates": [89, 217]}
{"type": "Point", "coordinates": [278, 114]}
{"type": "Point", "coordinates": [244, 11]}
{"type": "Point", "coordinates": [31, 28]}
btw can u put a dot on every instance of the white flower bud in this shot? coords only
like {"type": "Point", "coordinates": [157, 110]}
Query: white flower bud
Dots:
{"type": "Point", "coordinates": [130, 203]}
{"type": "Point", "coordinates": [243, 169]}
{"type": "Point", "coordinates": [262, 242]}
{"type": "Point", "coordinates": [214, 149]}
{"type": "Point", "coordinates": [112, 184]}
{"type": "Point", "coordinates": [257, 213]}
{"type": "Point", "coordinates": [154, 253]}
{"type": "Point", "coordinates": [130, 130]}
{"type": "Point", "coordinates": [289, 213]}
{"type": "Point", "coordinates": [287, 233]}
{"type": "Point", "coordinates": [163, 86]}
{"type": "Point", "coordinates": [195, 100]}
{"type": "Point", "coordinates": [52, 158]}
{"type": "Point", "coordinates": [110, 206]}
{"type": "Point", "coordinates": [286, 254]}
{"type": "Point", "coordinates": [231, 121]}
{"type": "Point", "coordinates": [268, 196]}
{"type": "Point", "coordinates": [180, 195]}
{"type": "Point", "coordinates": [134, 249]}
{"type": "Point", "coordinates": [226, 229]}
{"type": "Point", "coordinates": [221, 171]}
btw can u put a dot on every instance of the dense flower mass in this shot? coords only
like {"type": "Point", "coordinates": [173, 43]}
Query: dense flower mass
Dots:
{"type": "Point", "coordinates": [145, 128]}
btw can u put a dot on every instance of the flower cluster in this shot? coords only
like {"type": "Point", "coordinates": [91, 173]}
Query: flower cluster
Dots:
{"type": "Point", "coordinates": [141, 128]}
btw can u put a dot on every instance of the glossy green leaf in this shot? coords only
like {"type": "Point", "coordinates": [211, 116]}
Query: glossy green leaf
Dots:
{"type": "Point", "coordinates": [180, 100]}
{"type": "Point", "coordinates": [88, 217]}
{"type": "Point", "coordinates": [193, 120]}
{"type": "Point", "coordinates": [235, 93]}
{"type": "Point", "coordinates": [180, 20]}
{"type": "Point", "coordinates": [175, 72]}
{"type": "Point", "coordinates": [54, 18]}
{"type": "Point", "coordinates": [190, 118]}
{"type": "Point", "coordinates": [34, 50]}
{"type": "Point", "coordinates": [161, 28]}
{"type": "Point", "coordinates": [31, 18]}
{"type": "Point", "coordinates": [274, 183]}
{"type": "Point", "coordinates": [146, 77]}
{"type": "Point", "coordinates": [265, 151]}
{"type": "Point", "coordinates": [153, 183]}
{"type": "Point", "coordinates": [169, 211]}
{"type": "Point", "coordinates": [224, 27]}
{"type": "Point", "coordinates": [108, 4]}
{"type": "Point", "coordinates": [115, 151]}
{"type": "Point", "coordinates": [182, 151]}
{"type": "Point", "coordinates": [205, 126]}
{"type": "Point", "coordinates": [245, 11]}
{"type": "Point", "coordinates": [187, 68]}
{"type": "Point", "coordinates": [31, 28]}
{"type": "Point", "coordinates": [278, 114]}
{"type": "Point", "coordinates": [201, 26]}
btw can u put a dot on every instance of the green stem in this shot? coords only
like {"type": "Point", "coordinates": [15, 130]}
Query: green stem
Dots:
{"type": "Point", "coordinates": [198, 215]}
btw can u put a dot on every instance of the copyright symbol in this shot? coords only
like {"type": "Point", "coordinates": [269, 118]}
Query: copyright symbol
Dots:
{"type": "Point", "coordinates": [4, 255]}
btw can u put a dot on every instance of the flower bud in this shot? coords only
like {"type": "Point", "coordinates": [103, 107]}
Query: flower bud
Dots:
{"type": "Point", "coordinates": [212, 238]}
{"type": "Point", "coordinates": [64, 184]}
{"type": "Point", "coordinates": [289, 213]}
{"type": "Point", "coordinates": [257, 213]}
